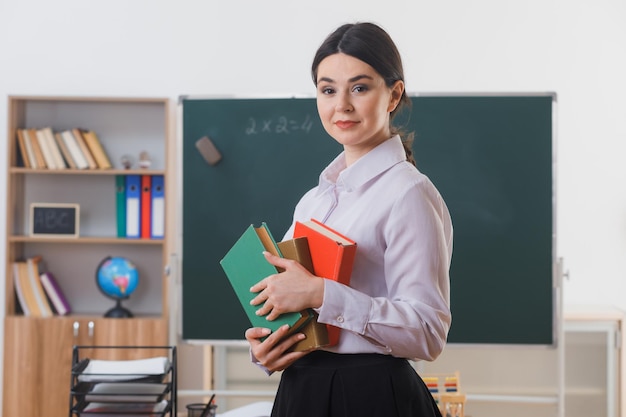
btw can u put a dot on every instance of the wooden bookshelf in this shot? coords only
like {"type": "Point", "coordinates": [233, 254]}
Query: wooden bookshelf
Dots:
{"type": "Point", "coordinates": [125, 126]}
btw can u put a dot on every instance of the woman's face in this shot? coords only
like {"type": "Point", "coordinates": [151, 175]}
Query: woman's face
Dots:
{"type": "Point", "coordinates": [354, 103]}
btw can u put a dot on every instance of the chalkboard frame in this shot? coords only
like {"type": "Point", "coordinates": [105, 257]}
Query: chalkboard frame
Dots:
{"type": "Point", "coordinates": [554, 293]}
{"type": "Point", "coordinates": [73, 233]}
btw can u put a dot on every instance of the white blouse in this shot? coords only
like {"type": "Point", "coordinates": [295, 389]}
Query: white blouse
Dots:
{"type": "Point", "coordinates": [398, 301]}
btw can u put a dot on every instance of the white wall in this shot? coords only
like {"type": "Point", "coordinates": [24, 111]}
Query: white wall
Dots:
{"type": "Point", "coordinates": [575, 48]}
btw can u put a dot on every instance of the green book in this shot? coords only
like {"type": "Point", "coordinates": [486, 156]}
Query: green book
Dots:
{"type": "Point", "coordinates": [245, 265]}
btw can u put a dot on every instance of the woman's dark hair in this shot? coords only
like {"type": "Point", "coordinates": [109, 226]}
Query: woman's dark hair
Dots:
{"type": "Point", "coordinates": [372, 45]}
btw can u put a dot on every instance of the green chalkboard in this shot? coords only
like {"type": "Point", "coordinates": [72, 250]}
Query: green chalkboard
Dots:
{"type": "Point", "coordinates": [490, 156]}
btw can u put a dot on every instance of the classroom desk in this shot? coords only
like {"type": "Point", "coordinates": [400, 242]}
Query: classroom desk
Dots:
{"type": "Point", "coordinates": [609, 320]}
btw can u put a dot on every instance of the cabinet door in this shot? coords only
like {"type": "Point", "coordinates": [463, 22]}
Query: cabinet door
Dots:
{"type": "Point", "coordinates": [37, 366]}
{"type": "Point", "coordinates": [22, 385]}
{"type": "Point", "coordinates": [58, 334]}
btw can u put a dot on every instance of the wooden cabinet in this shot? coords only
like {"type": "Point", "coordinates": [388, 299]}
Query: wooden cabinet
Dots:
{"type": "Point", "coordinates": [38, 351]}
{"type": "Point", "coordinates": [38, 356]}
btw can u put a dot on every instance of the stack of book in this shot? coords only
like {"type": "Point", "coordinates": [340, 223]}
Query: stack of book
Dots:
{"type": "Point", "coordinates": [43, 148]}
{"type": "Point", "coordinates": [38, 292]}
{"type": "Point", "coordinates": [323, 251]}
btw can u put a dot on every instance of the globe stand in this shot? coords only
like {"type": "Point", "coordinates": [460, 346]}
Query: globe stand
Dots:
{"type": "Point", "coordinates": [118, 312]}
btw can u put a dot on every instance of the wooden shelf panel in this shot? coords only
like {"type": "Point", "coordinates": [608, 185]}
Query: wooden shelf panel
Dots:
{"type": "Point", "coordinates": [20, 170]}
{"type": "Point", "coordinates": [85, 240]}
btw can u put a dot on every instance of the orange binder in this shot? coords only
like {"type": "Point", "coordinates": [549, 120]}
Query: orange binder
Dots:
{"type": "Point", "coordinates": [332, 255]}
{"type": "Point", "coordinates": [146, 183]}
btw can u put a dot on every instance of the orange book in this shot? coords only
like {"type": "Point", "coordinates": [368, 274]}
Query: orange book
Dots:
{"type": "Point", "coordinates": [146, 215]}
{"type": "Point", "coordinates": [333, 257]}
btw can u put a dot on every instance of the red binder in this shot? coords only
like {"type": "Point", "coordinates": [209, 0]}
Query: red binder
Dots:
{"type": "Point", "coordinates": [146, 182]}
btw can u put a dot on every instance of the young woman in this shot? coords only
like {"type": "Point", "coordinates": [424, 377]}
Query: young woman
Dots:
{"type": "Point", "coordinates": [397, 305]}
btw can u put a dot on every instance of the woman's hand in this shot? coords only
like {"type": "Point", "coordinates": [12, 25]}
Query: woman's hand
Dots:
{"type": "Point", "coordinates": [295, 289]}
{"type": "Point", "coordinates": [273, 352]}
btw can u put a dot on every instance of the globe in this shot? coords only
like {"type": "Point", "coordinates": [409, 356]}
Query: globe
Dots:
{"type": "Point", "coordinates": [117, 278]}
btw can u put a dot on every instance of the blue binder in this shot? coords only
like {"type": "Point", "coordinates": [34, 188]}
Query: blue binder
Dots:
{"type": "Point", "coordinates": [157, 225]}
{"type": "Point", "coordinates": [133, 206]}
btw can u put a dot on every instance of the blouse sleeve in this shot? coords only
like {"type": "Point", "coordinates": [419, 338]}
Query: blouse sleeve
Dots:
{"type": "Point", "coordinates": [413, 320]}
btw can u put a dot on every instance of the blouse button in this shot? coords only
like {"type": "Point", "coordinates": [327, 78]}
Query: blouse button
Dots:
{"type": "Point", "coordinates": [340, 319]}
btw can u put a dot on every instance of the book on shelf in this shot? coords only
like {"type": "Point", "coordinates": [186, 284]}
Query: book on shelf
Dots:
{"type": "Point", "coordinates": [316, 333]}
{"type": "Point", "coordinates": [37, 287]}
{"type": "Point", "coordinates": [67, 156]}
{"type": "Point", "coordinates": [46, 149]}
{"type": "Point", "coordinates": [42, 143]}
{"type": "Point", "coordinates": [72, 146]}
{"type": "Point", "coordinates": [30, 148]}
{"type": "Point", "coordinates": [38, 293]}
{"type": "Point", "coordinates": [55, 294]}
{"type": "Point", "coordinates": [34, 142]}
{"type": "Point", "coordinates": [97, 150]}
{"type": "Point", "coordinates": [25, 290]}
{"type": "Point", "coordinates": [332, 254]}
{"type": "Point", "coordinates": [57, 156]}
{"type": "Point", "coordinates": [82, 144]}
{"type": "Point", "coordinates": [245, 265]}
{"type": "Point", "coordinates": [27, 157]}
{"type": "Point", "coordinates": [21, 287]}
{"type": "Point", "coordinates": [32, 157]}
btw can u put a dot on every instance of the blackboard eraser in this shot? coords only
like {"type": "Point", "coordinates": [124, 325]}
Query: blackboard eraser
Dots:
{"type": "Point", "coordinates": [207, 149]}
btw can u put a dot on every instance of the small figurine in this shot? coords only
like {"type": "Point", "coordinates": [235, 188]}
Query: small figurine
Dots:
{"type": "Point", "coordinates": [127, 161]}
{"type": "Point", "coordinates": [144, 160]}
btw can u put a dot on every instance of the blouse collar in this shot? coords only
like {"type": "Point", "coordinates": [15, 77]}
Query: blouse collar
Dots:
{"type": "Point", "coordinates": [370, 165]}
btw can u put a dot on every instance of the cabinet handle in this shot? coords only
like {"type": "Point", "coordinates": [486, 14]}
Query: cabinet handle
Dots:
{"type": "Point", "coordinates": [76, 326]}
{"type": "Point", "coordinates": [90, 326]}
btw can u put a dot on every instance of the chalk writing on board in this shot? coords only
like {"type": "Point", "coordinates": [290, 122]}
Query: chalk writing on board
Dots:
{"type": "Point", "coordinates": [278, 125]}
{"type": "Point", "coordinates": [53, 219]}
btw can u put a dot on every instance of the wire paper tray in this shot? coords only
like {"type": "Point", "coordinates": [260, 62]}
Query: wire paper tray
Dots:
{"type": "Point", "coordinates": [121, 391]}
{"type": "Point", "coordinates": [127, 409]}
{"type": "Point", "coordinates": [129, 387]}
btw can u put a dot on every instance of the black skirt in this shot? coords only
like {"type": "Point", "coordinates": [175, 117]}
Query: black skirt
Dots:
{"type": "Point", "coordinates": [325, 384]}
